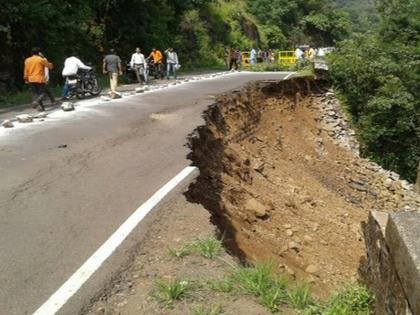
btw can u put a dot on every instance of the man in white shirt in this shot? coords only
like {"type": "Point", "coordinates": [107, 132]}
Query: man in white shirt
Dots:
{"type": "Point", "coordinates": [172, 62]}
{"type": "Point", "coordinates": [299, 54]}
{"type": "Point", "coordinates": [71, 67]}
{"type": "Point", "coordinates": [138, 63]}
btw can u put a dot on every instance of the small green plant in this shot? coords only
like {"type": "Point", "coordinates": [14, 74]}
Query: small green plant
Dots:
{"type": "Point", "coordinates": [208, 310]}
{"type": "Point", "coordinates": [172, 290]}
{"type": "Point", "coordinates": [300, 297]}
{"type": "Point", "coordinates": [262, 282]}
{"type": "Point", "coordinates": [208, 247]}
{"type": "Point", "coordinates": [180, 252]}
{"type": "Point", "coordinates": [225, 285]}
{"type": "Point", "coordinates": [353, 300]}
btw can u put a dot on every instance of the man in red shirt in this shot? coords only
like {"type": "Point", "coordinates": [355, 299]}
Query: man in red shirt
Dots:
{"type": "Point", "coordinates": [34, 75]}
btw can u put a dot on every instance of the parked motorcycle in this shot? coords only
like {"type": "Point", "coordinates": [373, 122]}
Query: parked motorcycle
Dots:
{"type": "Point", "coordinates": [83, 83]}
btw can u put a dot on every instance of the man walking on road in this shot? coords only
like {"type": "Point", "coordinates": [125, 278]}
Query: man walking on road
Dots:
{"type": "Point", "coordinates": [138, 63]}
{"type": "Point", "coordinates": [171, 62]}
{"type": "Point", "coordinates": [34, 75]}
{"type": "Point", "coordinates": [48, 91]}
{"type": "Point", "coordinates": [112, 66]}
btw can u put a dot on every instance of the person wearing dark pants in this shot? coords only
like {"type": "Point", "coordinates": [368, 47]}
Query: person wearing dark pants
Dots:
{"type": "Point", "coordinates": [172, 62]}
{"type": "Point", "coordinates": [34, 75]}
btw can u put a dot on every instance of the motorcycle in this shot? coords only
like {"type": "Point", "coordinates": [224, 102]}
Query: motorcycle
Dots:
{"type": "Point", "coordinates": [84, 82]}
{"type": "Point", "coordinates": [155, 69]}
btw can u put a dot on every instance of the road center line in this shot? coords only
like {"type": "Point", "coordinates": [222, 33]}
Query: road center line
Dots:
{"type": "Point", "coordinates": [74, 283]}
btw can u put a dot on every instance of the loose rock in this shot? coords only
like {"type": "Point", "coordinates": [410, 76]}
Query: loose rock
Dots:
{"type": "Point", "coordinates": [7, 124]}
{"type": "Point", "coordinates": [256, 207]}
{"type": "Point", "coordinates": [24, 118]}
{"type": "Point", "coordinates": [67, 106]}
{"type": "Point", "coordinates": [312, 269]}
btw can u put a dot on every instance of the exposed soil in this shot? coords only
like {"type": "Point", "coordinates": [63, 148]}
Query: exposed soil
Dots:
{"type": "Point", "coordinates": [281, 180]}
{"type": "Point", "coordinates": [281, 184]}
{"type": "Point", "coordinates": [133, 292]}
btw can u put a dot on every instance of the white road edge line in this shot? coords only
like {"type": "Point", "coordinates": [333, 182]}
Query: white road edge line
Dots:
{"type": "Point", "coordinates": [73, 284]}
{"type": "Point", "coordinates": [289, 75]}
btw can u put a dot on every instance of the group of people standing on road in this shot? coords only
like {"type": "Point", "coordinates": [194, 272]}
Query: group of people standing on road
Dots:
{"type": "Point", "coordinates": [305, 54]}
{"type": "Point", "coordinates": [139, 64]}
{"type": "Point", "coordinates": [37, 67]}
{"type": "Point", "coordinates": [234, 57]}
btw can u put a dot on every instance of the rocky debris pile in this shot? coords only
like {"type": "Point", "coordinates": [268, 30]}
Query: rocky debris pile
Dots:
{"type": "Point", "coordinates": [370, 177]}
{"type": "Point", "coordinates": [335, 123]}
{"type": "Point", "coordinates": [285, 181]}
{"type": "Point", "coordinates": [391, 192]}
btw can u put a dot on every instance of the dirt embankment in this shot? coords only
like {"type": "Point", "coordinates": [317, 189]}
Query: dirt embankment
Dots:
{"type": "Point", "coordinates": [281, 176]}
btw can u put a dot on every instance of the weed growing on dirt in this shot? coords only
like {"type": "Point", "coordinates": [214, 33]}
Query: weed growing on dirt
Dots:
{"type": "Point", "coordinates": [300, 297]}
{"type": "Point", "coordinates": [180, 252]}
{"type": "Point", "coordinates": [353, 300]}
{"type": "Point", "coordinates": [209, 247]}
{"type": "Point", "coordinates": [208, 310]}
{"type": "Point", "coordinates": [262, 282]}
{"type": "Point", "coordinates": [172, 290]}
{"type": "Point", "coordinates": [225, 285]}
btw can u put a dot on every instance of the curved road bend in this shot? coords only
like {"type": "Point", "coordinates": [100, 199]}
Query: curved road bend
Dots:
{"type": "Point", "coordinates": [58, 205]}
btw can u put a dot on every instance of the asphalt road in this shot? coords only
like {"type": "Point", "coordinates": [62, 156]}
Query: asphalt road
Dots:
{"type": "Point", "coordinates": [67, 184]}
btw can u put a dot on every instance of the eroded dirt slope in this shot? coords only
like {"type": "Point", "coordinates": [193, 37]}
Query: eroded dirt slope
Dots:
{"type": "Point", "coordinates": [281, 176]}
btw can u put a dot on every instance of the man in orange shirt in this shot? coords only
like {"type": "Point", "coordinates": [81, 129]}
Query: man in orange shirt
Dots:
{"type": "Point", "coordinates": [157, 57]}
{"type": "Point", "coordinates": [34, 75]}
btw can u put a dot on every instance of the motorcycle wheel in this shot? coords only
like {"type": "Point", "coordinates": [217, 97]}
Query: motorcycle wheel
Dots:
{"type": "Point", "coordinates": [96, 89]}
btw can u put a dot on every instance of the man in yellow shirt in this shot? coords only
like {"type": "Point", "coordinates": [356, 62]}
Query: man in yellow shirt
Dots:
{"type": "Point", "coordinates": [157, 58]}
{"type": "Point", "coordinates": [34, 75]}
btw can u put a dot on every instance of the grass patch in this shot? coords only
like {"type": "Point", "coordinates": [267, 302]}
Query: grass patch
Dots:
{"type": "Point", "coordinates": [180, 252]}
{"type": "Point", "coordinates": [168, 291]}
{"type": "Point", "coordinates": [262, 282]}
{"type": "Point", "coordinates": [300, 297]}
{"type": "Point", "coordinates": [225, 285]}
{"type": "Point", "coordinates": [209, 247]}
{"type": "Point", "coordinates": [353, 300]}
{"type": "Point", "coordinates": [208, 310]}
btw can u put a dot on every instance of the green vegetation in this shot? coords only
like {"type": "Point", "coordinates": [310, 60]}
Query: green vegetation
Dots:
{"type": "Point", "coordinates": [180, 252]}
{"type": "Point", "coordinates": [353, 300]}
{"type": "Point", "coordinates": [377, 73]}
{"type": "Point", "coordinates": [271, 289]}
{"type": "Point", "coordinates": [300, 297]}
{"type": "Point", "coordinates": [262, 282]}
{"type": "Point", "coordinates": [207, 247]}
{"type": "Point", "coordinates": [290, 22]}
{"type": "Point", "coordinates": [225, 285]}
{"type": "Point", "coordinates": [208, 310]}
{"type": "Point", "coordinates": [168, 291]}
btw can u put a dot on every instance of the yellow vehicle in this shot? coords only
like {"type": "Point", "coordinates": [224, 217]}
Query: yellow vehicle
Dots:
{"type": "Point", "coordinates": [287, 58]}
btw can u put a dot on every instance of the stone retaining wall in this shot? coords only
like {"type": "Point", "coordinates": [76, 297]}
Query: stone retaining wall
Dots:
{"type": "Point", "coordinates": [392, 267]}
